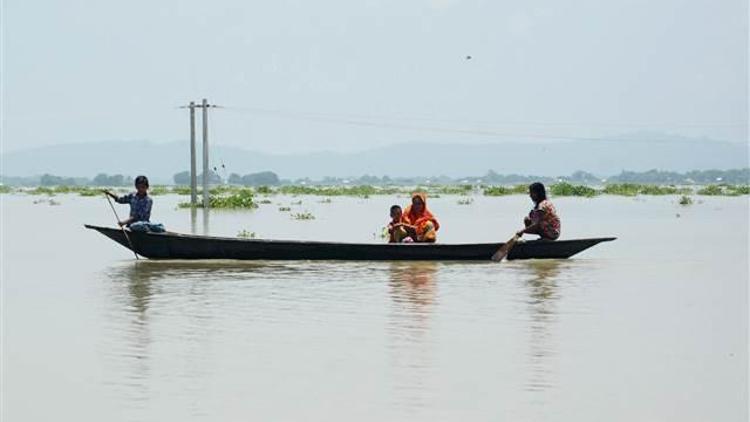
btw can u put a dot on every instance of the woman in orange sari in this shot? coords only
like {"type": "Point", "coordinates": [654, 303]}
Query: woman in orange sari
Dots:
{"type": "Point", "coordinates": [418, 221]}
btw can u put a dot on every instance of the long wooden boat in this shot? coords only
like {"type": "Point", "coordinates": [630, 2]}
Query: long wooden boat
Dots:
{"type": "Point", "coordinates": [183, 246]}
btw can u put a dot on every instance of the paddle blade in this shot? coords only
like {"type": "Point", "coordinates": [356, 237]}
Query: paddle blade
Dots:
{"type": "Point", "coordinates": [505, 249]}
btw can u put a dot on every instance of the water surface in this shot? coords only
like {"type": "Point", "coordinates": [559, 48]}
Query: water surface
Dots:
{"type": "Point", "coordinates": [652, 326]}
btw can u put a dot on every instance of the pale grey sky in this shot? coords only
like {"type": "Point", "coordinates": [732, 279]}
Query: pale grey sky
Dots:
{"type": "Point", "coordinates": [293, 73]}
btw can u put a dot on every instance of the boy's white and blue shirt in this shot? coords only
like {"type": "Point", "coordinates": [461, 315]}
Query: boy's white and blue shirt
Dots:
{"type": "Point", "coordinates": [140, 206]}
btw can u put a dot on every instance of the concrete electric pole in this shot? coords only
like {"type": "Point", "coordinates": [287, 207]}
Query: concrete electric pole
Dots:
{"type": "Point", "coordinates": [193, 175]}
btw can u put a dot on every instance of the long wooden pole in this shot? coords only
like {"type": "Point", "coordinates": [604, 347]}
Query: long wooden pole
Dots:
{"type": "Point", "coordinates": [121, 227]}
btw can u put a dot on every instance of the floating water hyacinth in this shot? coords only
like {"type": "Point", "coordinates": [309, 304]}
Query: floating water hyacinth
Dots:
{"type": "Point", "coordinates": [303, 216]}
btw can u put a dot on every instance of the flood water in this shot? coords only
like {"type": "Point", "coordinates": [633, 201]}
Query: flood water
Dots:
{"type": "Point", "coordinates": [650, 327]}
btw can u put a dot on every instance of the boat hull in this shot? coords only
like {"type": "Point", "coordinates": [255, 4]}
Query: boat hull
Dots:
{"type": "Point", "coordinates": [182, 246]}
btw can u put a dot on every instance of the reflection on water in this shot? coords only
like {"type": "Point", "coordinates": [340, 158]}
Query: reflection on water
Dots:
{"type": "Point", "coordinates": [205, 217]}
{"type": "Point", "coordinates": [543, 292]}
{"type": "Point", "coordinates": [413, 290]}
{"type": "Point", "coordinates": [179, 292]}
{"type": "Point", "coordinates": [130, 354]}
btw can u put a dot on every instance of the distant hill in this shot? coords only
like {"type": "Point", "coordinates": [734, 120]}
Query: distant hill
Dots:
{"type": "Point", "coordinates": [162, 160]}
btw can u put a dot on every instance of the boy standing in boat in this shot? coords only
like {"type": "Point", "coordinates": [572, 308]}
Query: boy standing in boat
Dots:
{"type": "Point", "coordinates": [140, 207]}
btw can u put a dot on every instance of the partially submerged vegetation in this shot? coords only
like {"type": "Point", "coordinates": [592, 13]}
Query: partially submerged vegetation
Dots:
{"type": "Point", "coordinates": [243, 198]}
{"type": "Point", "coordinates": [303, 216]}
{"type": "Point", "coordinates": [244, 234]}
{"type": "Point", "coordinates": [633, 189]}
{"type": "Point", "coordinates": [724, 190]}
{"type": "Point", "coordinates": [567, 189]}
{"type": "Point", "coordinates": [504, 190]}
{"type": "Point", "coordinates": [622, 189]}
{"type": "Point", "coordinates": [231, 196]}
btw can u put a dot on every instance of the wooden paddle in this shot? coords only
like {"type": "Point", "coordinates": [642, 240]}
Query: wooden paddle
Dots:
{"type": "Point", "coordinates": [121, 227]}
{"type": "Point", "coordinates": [505, 249]}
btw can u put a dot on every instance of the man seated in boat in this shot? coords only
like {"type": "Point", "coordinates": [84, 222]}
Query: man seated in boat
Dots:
{"type": "Point", "coordinates": [419, 224]}
{"type": "Point", "coordinates": [542, 219]}
{"type": "Point", "coordinates": [140, 207]}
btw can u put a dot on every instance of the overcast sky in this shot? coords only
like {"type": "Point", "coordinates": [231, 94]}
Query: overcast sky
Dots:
{"type": "Point", "coordinates": [351, 75]}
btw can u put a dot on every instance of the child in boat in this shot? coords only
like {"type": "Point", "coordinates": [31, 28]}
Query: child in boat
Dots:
{"type": "Point", "coordinates": [140, 207]}
{"type": "Point", "coordinates": [396, 231]}
{"type": "Point", "coordinates": [543, 219]}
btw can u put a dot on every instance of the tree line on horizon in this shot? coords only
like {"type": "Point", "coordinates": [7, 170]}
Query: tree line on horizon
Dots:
{"type": "Point", "coordinates": [269, 178]}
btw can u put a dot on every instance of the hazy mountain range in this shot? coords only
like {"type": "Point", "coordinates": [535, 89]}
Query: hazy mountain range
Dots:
{"type": "Point", "coordinates": [162, 160]}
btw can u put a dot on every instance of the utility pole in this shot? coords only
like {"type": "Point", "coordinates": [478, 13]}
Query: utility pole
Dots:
{"type": "Point", "coordinates": [193, 170]}
{"type": "Point", "coordinates": [204, 105]}
{"type": "Point", "coordinates": [193, 174]}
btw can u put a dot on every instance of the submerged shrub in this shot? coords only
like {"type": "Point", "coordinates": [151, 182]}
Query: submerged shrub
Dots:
{"type": "Point", "coordinates": [90, 192]}
{"type": "Point", "coordinates": [303, 216]}
{"type": "Point", "coordinates": [739, 189]}
{"type": "Point", "coordinates": [158, 190]}
{"type": "Point", "coordinates": [42, 190]}
{"type": "Point", "coordinates": [240, 199]}
{"type": "Point", "coordinates": [497, 191]}
{"type": "Point", "coordinates": [181, 190]}
{"type": "Point", "coordinates": [244, 234]}
{"type": "Point", "coordinates": [685, 200]}
{"type": "Point", "coordinates": [454, 190]}
{"type": "Point", "coordinates": [633, 189]}
{"type": "Point", "coordinates": [567, 189]}
{"type": "Point", "coordinates": [711, 190]}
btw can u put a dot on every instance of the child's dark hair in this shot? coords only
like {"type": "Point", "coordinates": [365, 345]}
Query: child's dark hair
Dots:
{"type": "Point", "coordinates": [141, 180]}
{"type": "Point", "coordinates": [395, 207]}
{"type": "Point", "coordinates": [538, 189]}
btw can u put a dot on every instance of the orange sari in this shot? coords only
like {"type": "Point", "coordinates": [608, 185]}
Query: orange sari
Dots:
{"type": "Point", "coordinates": [426, 223]}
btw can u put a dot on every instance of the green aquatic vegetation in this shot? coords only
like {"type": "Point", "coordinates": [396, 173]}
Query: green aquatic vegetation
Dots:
{"type": "Point", "coordinates": [158, 190]}
{"type": "Point", "coordinates": [181, 190]}
{"type": "Point", "coordinates": [663, 190]}
{"type": "Point", "coordinates": [567, 189]}
{"type": "Point", "coordinates": [739, 189]}
{"type": "Point", "coordinates": [633, 189]}
{"type": "Point", "coordinates": [244, 234]}
{"type": "Point", "coordinates": [90, 192]}
{"type": "Point", "coordinates": [222, 189]}
{"type": "Point", "coordinates": [505, 190]}
{"type": "Point", "coordinates": [497, 191]}
{"type": "Point", "coordinates": [453, 190]}
{"type": "Point", "coordinates": [362, 190]}
{"type": "Point", "coordinates": [685, 200]}
{"type": "Point", "coordinates": [41, 190]}
{"type": "Point", "coordinates": [264, 190]}
{"type": "Point", "coordinates": [303, 216]}
{"type": "Point", "coordinates": [5, 189]}
{"type": "Point", "coordinates": [711, 190]}
{"type": "Point", "coordinates": [240, 199]}
{"type": "Point", "coordinates": [724, 190]}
